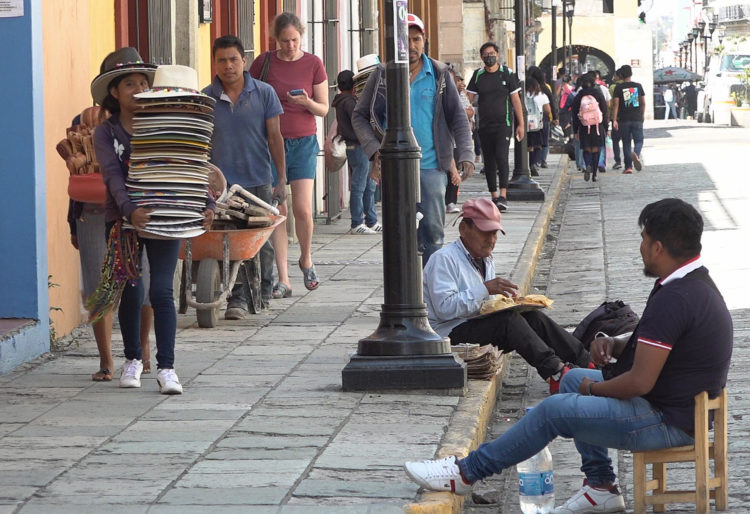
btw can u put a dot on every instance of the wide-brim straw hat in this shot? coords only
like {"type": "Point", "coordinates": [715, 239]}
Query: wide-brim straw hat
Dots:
{"type": "Point", "coordinates": [120, 62]}
{"type": "Point", "coordinates": [172, 80]}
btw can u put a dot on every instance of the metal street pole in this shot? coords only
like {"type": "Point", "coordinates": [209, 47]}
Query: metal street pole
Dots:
{"type": "Point", "coordinates": [403, 352]}
{"type": "Point", "coordinates": [564, 48]}
{"type": "Point", "coordinates": [521, 186]}
{"type": "Point", "coordinates": [553, 51]}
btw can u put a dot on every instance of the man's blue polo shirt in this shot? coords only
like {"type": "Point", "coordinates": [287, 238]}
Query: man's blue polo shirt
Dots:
{"type": "Point", "coordinates": [240, 140]}
{"type": "Point", "coordinates": [422, 94]}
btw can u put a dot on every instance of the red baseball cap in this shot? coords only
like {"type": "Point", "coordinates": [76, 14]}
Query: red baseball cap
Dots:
{"type": "Point", "coordinates": [414, 21]}
{"type": "Point", "coordinates": [483, 213]}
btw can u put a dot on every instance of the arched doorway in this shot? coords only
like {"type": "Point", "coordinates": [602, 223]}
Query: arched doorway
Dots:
{"type": "Point", "coordinates": [585, 58]}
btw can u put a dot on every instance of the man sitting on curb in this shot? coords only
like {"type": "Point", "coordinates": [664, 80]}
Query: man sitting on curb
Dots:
{"type": "Point", "coordinates": [645, 401]}
{"type": "Point", "coordinates": [461, 276]}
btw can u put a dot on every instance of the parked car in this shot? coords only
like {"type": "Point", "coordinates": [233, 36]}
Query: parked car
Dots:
{"type": "Point", "coordinates": [723, 79]}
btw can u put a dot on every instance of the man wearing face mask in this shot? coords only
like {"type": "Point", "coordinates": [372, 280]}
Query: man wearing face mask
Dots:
{"type": "Point", "coordinates": [498, 89]}
{"type": "Point", "coordinates": [438, 121]}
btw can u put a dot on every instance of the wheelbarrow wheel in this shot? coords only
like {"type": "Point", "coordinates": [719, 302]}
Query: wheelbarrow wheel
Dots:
{"type": "Point", "coordinates": [207, 290]}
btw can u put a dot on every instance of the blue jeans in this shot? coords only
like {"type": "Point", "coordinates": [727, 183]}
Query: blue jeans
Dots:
{"type": "Point", "coordinates": [362, 196]}
{"type": "Point", "coordinates": [594, 422]}
{"type": "Point", "coordinates": [545, 139]}
{"type": "Point", "coordinates": [628, 130]}
{"type": "Point", "coordinates": [162, 259]}
{"type": "Point", "coordinates": [432, 184]}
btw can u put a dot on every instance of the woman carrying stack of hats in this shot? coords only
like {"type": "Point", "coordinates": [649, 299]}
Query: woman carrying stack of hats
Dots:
{"type": "Point", "coordinates": [124, 75]}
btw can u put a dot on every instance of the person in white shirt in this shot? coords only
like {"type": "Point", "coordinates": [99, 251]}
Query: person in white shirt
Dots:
{"type": "Point", "coordinates": [459, 277]}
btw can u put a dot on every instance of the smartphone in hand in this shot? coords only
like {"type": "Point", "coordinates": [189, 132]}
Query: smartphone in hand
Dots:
{"type": "Point", "coordinates": [297, 92]}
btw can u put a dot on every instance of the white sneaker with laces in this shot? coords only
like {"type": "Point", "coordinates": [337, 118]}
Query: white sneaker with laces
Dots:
{"type": "Point", "coordinates": [362, 230]}
{"type": "Point", "coordinates": [131, 373]}
{"type": "Point", "coordinates": [168, 382]}
{"type": "Point", "coordinates": [438, 475]}
{"type": "Point", "coordinates": [452, 208]}
{"type": "Point", "coordinates": [588, 499]}
{"type": "Point", "coordinates": [377, 227]}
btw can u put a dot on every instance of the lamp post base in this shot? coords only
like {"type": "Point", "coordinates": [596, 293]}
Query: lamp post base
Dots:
{"type": "Point", "coordinates": [436, 372]}
{"type": "Point", "coordinates": [525, 189]}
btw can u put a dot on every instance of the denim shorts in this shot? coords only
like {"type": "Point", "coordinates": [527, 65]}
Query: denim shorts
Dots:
{"type": "Point", "coordinates": [301, 158]}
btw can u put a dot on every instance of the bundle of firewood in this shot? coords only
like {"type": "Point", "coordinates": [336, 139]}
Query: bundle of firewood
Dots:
{"type": "Point", "coordinates": [77, 149]}
{"type": "Point", "coordinates": [238, 208]}
{"type": "Point", "coordinates": [482, 362]}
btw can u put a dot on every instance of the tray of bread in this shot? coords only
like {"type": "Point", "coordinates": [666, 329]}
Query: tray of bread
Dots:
{"type": "Point", "coordinates": [501, 302]}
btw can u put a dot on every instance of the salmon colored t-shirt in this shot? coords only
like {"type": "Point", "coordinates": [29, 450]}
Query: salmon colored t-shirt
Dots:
{"type": "Point", "coordinates": [284, 76]}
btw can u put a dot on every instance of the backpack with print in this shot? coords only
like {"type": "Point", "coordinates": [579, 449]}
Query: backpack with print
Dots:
{"type": "Point", "coordinates": [589, 113]}
{"type": "Point", "coordinates": [535, 114]}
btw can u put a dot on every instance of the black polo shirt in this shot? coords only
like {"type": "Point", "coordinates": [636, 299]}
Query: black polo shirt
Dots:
{"type": "Point", "coordinates": [688, 318]}
{"type": "Point", "coordinates": [494, 90]}
{"type": "Point", "coordinates": [630, 96]}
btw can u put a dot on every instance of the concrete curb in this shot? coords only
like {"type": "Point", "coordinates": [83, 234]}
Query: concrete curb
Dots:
{"type": "Point", "coordinates": [468, 426]}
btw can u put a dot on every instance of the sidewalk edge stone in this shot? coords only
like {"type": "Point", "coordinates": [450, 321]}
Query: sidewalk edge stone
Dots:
{"type": "Point", "coordinates": [467, 428]}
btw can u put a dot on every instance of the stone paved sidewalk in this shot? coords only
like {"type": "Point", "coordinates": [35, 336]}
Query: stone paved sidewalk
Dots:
{"type": "Point", "coordinates": [263, 425]}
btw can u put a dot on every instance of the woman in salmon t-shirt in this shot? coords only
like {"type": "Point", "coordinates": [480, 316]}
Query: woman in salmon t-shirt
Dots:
{"type": "Point", "coordinates": [301, 82]}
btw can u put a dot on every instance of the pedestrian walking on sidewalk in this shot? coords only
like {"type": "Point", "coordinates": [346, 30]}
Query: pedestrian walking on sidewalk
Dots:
{"type": "Point", "coordinates": [538, 108]}
{"type": "Point", "coordinates": [245, 145]}
{"type": "Point", "coordinates": [438, 121]}
{"type": "Point", "coordinates": [124, 76]}
{"type": "Point", "coordinates": [644, 401]}
{"type": "Point", "coordinates": [461, 276]}
{"type": "Point", "coordinates": [454, 177]}
{"type": "Point", "coordinates": [362, 194]}
{"type": "Point", "coordinates": [550, 119]}
{"type": "Point", "coordinates": [590, 123]}
{"type": "Point", "coordinates": [615, 133]}
{"type": "Point", "coordinates": [301, 83]}
{"type": "Point", "coordinates": [499, 92]}
{"type": "Point", "coordinates": [628, 114]}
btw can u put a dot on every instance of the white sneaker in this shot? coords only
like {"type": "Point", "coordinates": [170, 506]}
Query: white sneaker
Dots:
{"type": "Point", "coordinates": [452, 208]}
{"type": "Point", "coordinates": [131, 373]}
{"type": "Point", "coordinates": [377, 228]}
{"type": "Point", "coordinates": [168, 382]}
{"type": "Point", "coordinates": [363, 230]}
{"type": "Point", "coordinates": [588, 499]}
{"type": "Point", "coordinates": [438, 475]}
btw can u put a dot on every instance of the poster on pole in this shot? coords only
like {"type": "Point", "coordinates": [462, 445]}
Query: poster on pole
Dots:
{"type": "Point", "coordinates": [400, 31]}
{"type": "Point", "coordinates": [521, 67]}
{"type": "Point", "coordinates": [11, 8]}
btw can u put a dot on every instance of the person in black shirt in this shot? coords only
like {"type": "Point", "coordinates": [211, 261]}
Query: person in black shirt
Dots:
{"type": "Point", "coordinates": [627, 114]}
{"type": "Point", "coordinates": [498, 90]}
{"type": "Point", "coordinates": [590, 137]}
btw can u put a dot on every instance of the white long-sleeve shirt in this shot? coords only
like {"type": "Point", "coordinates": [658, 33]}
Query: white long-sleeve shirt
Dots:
{"type": "Point", "coordinates": [453, 288]}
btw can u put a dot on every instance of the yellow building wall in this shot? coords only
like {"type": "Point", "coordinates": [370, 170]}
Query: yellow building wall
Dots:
{"type": "Point", "coordinates": [76, 34]}
{"type": "Point", "coordinates": [204, 54]}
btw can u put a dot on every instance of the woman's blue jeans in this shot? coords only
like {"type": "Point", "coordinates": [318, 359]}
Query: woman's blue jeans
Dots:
{"type": "Point", "coordinates": [162, 259]}
{"type": "Point", "coordinates": [430, 234]}
{"type": "Point", "coordinates": [362, 196]}
{"type": "Point", "coordinates": [594, 422]}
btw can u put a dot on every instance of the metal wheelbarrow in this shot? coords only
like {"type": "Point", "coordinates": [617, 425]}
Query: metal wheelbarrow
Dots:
{"type": "Point", "coordinates": [213, 284]}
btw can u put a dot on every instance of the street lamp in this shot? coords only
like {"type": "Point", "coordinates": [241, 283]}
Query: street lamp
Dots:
{"type": "Point", "coordinates": [690, 51]}
{"type": "Point", "coordinates": [404, 352]}
{"type": "Point", "coordinates": [721, 33]}
{"type": "Point", "coordinates": [683, 54]}
{"type": "Point", "coordinates": [553, 60]}
{"type": "Point", "coordinates": [704, 37]}
{"type": "Point", "coordinates": [569, 10]}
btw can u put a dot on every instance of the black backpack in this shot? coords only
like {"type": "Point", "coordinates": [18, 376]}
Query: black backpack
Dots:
{"type": "Point", "coordinates": [612, 318]}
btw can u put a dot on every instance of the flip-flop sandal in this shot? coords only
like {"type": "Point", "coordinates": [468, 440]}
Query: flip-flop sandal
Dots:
{"type": "Point", "coordinates": [281, 290]}
{"type": "Point", "coordinates": [309, 276]}
{"type": "Point", "coordinates": [103, 375]}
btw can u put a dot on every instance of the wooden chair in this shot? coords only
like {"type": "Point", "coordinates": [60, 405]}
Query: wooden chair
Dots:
{"type": "Point", "coordinates": [701, 453]}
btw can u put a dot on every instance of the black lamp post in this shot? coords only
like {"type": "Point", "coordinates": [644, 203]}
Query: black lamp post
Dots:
{"type": "Point", "coordinates": [564, 35]}
{"type": "Point", "coordinates": [711, 29]}
{"type": "Point", "coordinates": [553, 50]}
{"type": "Point", "coordinates": [704, 37]}
{"type": "Point", "coordinates": [569, 10]}
{"type": "Point", "coordinates": [690, 51]}
{"type": "Point", "coordinates": [682, 51]}
{"type": "Point", "coordinates": [521, 186]}
{"type": "Point", "coordinates": [404, 352]}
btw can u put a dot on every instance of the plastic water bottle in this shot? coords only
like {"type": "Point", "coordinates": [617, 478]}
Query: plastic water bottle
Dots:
{"type": "Point", "coordinates": [536, 482]}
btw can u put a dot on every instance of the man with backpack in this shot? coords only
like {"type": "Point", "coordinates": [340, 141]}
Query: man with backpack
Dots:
{"type": "Point", "coordinates": [498, 89]}
{"type": "Point", "coordinates": [627, 115]}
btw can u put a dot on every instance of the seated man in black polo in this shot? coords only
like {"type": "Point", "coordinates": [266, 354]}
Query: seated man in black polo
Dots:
{"type": "Point", "coordinates": [459, 277]}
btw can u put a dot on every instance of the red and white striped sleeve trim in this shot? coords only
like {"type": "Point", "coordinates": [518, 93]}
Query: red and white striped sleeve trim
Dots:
{"type": "Point", "coordinates": [656, 344]}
